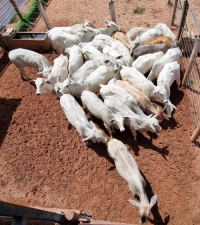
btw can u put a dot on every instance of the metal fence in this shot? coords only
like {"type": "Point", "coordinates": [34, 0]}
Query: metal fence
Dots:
{"type": "Point", "coordinates": [188, 37]}
{"type": "Point", "coordinates": [7, 11]}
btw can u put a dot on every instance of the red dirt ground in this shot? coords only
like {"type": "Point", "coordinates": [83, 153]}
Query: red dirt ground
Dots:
{"type": "Point", "coordinates": [44, 163]}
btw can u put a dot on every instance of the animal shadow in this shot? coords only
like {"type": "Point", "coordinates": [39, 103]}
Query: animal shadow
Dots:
{"type": "Point", "coordinates": [157, 219]}
{"type": "Point", "coordinates": [7, 108]}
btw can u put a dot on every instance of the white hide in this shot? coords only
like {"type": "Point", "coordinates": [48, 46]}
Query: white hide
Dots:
{"type": "Point", "coordinates": [101, 75]}
{"type": "Point", "coordinates": [77, 117]}
{"type": "Point", "coordinates": [89, 52]}
{"type": "Point", "coordinates": [75, 58]}
{"type": "Point", "coordinates": [139, 81]}
{"type": "Point", "coordinates": [167, 76]}
{"type": "Point", "coordinates": [84, 71]}
{"type": "Point", "coordinates": [143, 101]}
{"type": "Point", "coordinates": [150, 33]}
{"type": "Point", "coordinates": [61, 40]}
{"type": "Point", "coordinates": [110, 28]}
{"type": "Point", "coordinates": [98, 109]}
{"type": "Point", "coordinates": [127, 99]}
{"type": "Point", "coordinates": [136, 31]}
{"type": "Point", "coordinates": [128, 169]}
{"type": "Point", "coordinates": [22, 58]}
{"type": "Point", "coordinates": [173, 54]}
{"type": "Point", "coordinates": [166, 31]}
{"type": "Point", "coordinates": [132, 120]}
{"type": "Point", "coordinates": [59, 69]}
{"type": "Point", "coordinates": [145, 62]}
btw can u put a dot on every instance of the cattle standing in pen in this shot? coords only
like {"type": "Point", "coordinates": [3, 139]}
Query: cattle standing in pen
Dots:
{"type": "Point", "coordinates": [167, 76]}
{"type": "Point", "coordinates": [139, 81]}
{"type": "Point", "coordinates": [131, 119]}
{"type": "Point", "coordinates": [143, 101]}
{"type": "Point", "coordinates": [22, 58]}
{"type": "Point", "coordinates": [98, 109]}
{"type": "Point", "coordinates": [77, 118]}
{"type": "Point", "coordinates": [75, 58]}
{"type": "Point", "coordinates": [128, 169]}
{"type": "Point", "coordinates": [173, 54]}
{"type": "Point", "coordinates": [145, 62]}
{"type": "Point", "coordinates": [59, 69]}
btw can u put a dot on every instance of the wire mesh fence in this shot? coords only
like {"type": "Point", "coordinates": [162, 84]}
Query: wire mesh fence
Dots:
{"type": "Point", "coordinates": [189, 41]}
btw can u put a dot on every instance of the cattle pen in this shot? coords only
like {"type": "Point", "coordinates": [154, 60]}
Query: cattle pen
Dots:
{"type": "Point", "coordinates": [44, 163]}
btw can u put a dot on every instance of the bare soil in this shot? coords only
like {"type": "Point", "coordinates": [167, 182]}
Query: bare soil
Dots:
{"type": "Point", "coordinates": [44, 163]}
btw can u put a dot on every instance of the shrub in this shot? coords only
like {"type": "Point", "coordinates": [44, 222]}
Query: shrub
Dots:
{"type": "Point", "coordinates": [31, 15]}
{"type": "Point", "coordinates": [139, 10]}
{"type": "Point", "coordinates": [190, 83]}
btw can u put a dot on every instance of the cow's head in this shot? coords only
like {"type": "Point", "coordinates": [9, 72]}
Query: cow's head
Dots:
{"type": "Point", "coordinates": [160, 95]}
{"type": "Point", "coordinates": [144, 210]}
{"type": "Point", "coordinates": [118, 122]}
{"type": "Point", "coordinates": [43, 86]}
{"type": "Point", "coordinates": [94, 134]}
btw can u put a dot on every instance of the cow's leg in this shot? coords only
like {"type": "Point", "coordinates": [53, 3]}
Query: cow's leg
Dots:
{"type": "Point", "coordinates": [23, 75]}
{"type": "Point", "coordinates": [109, 129]}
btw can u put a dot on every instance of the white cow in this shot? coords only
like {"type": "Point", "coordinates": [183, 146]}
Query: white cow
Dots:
{"type": "Point", "coordinates": [110, 28]}
{"type": "Point", "coordinates": [167, 76]}
{"type": "Point", "coordinates": [85, 70]}
{"type": "Point", "coordinates": [143, 101]}
{"type": "Point", "coordinates": [90, 52]}
{"type": "Point", "coordinates": [101, 75]}
{"type": "Point", "coordinates": [59, 69]}
{"type": "Point", "coordinates": [139, 81]}
{"type": "Point", "coordinates": [132, 120]}
{"type": "Point", "coordinates": [74, 29]}
{"type": "Point", "coordinates": [128, 169]}
{"type": "Point", "coordinates": [127, 99]}
{"type": "Point", "coordinates": [166, 31]}
{"type": "Point", "coordinates": [22, 58]}
{"type": "Point", "coordinates": [61, 40]}
{"type": "Point", "coordinates": [150, 33]}
{"type": "Point", "coordinates": [135, 31]}
{"type": "Point", "coordinates": [173, 54]}
{"type": "Point", "coordinates": [98, 109]}
{"type": "Point", "coordinates": [77, 117]}
{"type": "Point", "coordinates": [75, 58]}
{"type": "Point", "coordinates": [145, 62]}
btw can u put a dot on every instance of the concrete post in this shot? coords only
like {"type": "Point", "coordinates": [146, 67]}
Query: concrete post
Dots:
{"type": "Point", "coordinates": [43, 14]}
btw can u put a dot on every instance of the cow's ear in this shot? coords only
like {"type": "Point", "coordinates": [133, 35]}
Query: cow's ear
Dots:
{"type": "Point", "coordinates": [133, 202]}
{"type": "Point", "coordinates": [32, 82]}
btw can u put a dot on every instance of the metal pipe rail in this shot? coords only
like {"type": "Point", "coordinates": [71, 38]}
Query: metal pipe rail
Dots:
{"type": "Point", "coordinates": [22, 213]}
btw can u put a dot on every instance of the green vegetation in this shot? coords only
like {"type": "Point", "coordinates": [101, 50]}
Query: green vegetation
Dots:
{"type": "Point", "coordinates": [14, 18]}
{"type": "Point", "coordinates": [170, 4]}
{"type": "Point", "coordinates": [139, 10]}
{"type": "Point", "coordinates": [29, 17]}
{"type": "Point", "coordinates": [190, 83]}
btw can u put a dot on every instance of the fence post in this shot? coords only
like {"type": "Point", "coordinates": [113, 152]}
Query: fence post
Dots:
{"type": "Point", "coordinates": [43, 14]}
{"type": "Point", "coordinates": [112, 10]}
{"type": "Point", "coordinates": [195, 134]}
{"type": "Point", "coordinates": [192, 57]}
{"type": "Point", "coordinates": [174, 12]}
{"type": "Point", "coordinates": [183, 19]}
{"type": "Point", "coordinates": [16, 9]}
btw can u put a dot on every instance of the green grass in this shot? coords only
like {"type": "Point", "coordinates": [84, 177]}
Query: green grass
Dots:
{"type": "Point", "coordinates": [190, 83]}
{"type": "Point", "coordinates": [14, 18]}
{"type": "Point", "coordinates": [170, 4]}
{"type": "Point", "coordinates": [139, 10]}
{"type": "Point", "coordinates": [31, 15]}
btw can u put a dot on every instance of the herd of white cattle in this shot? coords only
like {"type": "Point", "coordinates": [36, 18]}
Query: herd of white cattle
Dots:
{"type": "Point", "coordinates": [117, 76]}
